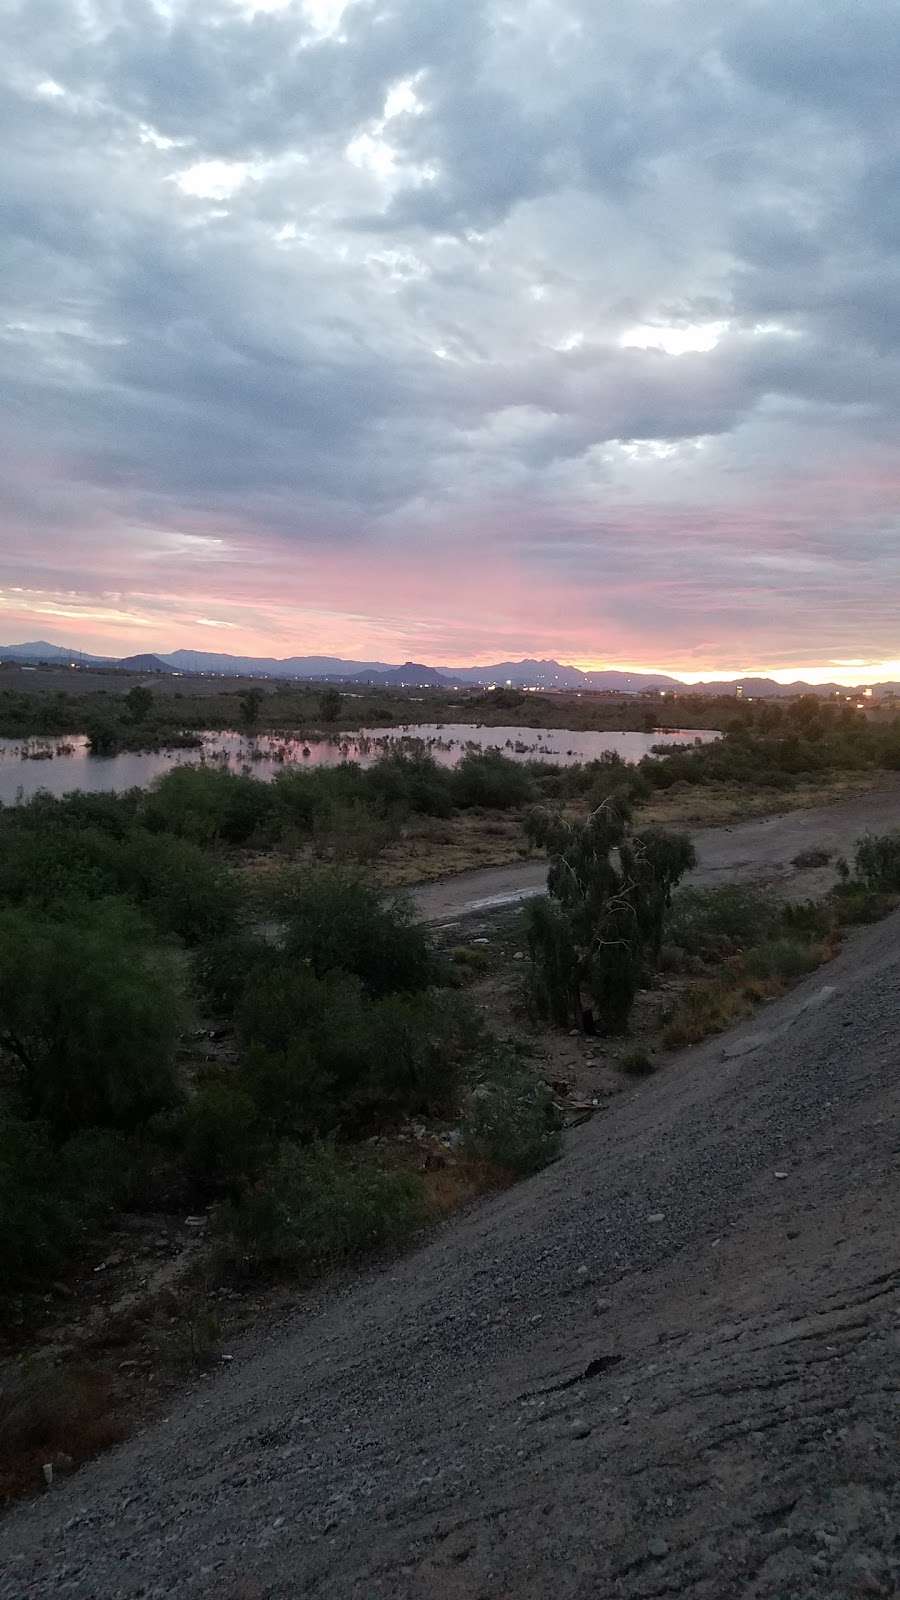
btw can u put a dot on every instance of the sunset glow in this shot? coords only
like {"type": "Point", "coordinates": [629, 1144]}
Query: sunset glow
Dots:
{"type": "Point", "coordinates": [455, 340]}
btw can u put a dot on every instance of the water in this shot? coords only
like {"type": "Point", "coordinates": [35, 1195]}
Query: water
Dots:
{"type": "Point", "coordinates": [59, 765]}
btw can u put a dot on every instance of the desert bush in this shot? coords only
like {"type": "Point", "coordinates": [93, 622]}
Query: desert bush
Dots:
{"type": "Point", "coordinates": [418, 1051]}
{"type": "Point", "coordinates": [208, 805]}
{"type": "Point", "coordinates": [473, 958]}
{"type": "Point", "coordinates": [703, 1009]}
{"type": "Point", "coordinates": [139, 702]}
{"type": "Point", "coordinates": [509, 1120]}
{"type": "Point", "coordinates": [333, 921]}
{"type": "Point", "coordinates": [782, 960]}
{"type": "Point", "coordinates": [330, 705]}
{"type": "Point", "coordinates": [179, 888]}
{"type": "Point", "coordinates": [52, 1194]}
{"type": "Point", "coordinates": [300, 796]}
{"type": "Point", "coordinates": [321, 1055]}
{"type": "Point", "coordinates": [855, 904]}
{"type": "Point", "coordinates": [808, 919]}
{"type": "Point", "coordinates": [219, 1135]}
{"type": "Point", "coordinates": [226, 965]}
{"type": "Point", "coordinates": [554, 960]}
{"type": "Point", "coordinates": [176, 885]}
{"type": "Point", "coordinates": [411, 782]}
{"type": "Point", "coordinates": [317, 1207]}
{"type": "Point", "coordinates": [812, 858]}
{"type": "Point", "coordinates": [36, 1225]}
{"type": "Point", "coordinates": [486, 778]}
{"type": "Point", "coordinates": [351, 831]}
{"type": "Point", "coordinates": [877, 860]}
{"type": "Point", "coordinates": [712, 923]}
{"type": "Point", "coordinates": [90, 1014]}
{"type": "Point", "coordinates": [637, 1063]}
{"type": "Point", "coordinates": [601, 928]}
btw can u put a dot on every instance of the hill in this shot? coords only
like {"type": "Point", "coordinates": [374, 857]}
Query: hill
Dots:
{"type": "Point", "coordinates": [144, 663]}
{"type": "Point", "coordinates": [529, 673]}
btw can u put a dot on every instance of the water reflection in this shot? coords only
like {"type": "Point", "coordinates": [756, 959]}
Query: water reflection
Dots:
{"type": "Point", "coordinates": [60, 765]}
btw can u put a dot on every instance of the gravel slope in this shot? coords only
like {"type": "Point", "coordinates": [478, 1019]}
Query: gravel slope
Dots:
{"type": "Point", "coordinates": [656, 1368]}
{"type": "Point", "coordinates": [762, 849]}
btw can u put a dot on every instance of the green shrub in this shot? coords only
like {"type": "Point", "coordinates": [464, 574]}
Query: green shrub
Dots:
{"type": "Point", "coordinates": [321, 1055]}
{"type": "Point", "coordinates": [855, 904]}
{"type": "Point", "coordinates": [877, 860]}
{"type": "Point", "coordinates": [351, 831]}
{"type": "Point", "coordinates": [703, 1009]}
{"type": "Point", "coordinates": [473, 957]}
{"type": "Point", "coordinates": [219, 1135]}
{"type": "Point", "coordinates": [637, 1063]}
{"type": "Point", "coordinates": [226, 966]}
{"type": "Point", "coordinates": [90, 1015]}
{"type": "Point", "coordinates": [783, 959]}
{"type": "Point", "coordinates": [36, 1223]}
{"type": "Point", "coordinates": [601, 927]}
{"type": "Point", "coordinates": [509, 1120]}
{"type": "Point", "coordinates": [554, 959]}
{"type": "Point", "coordinates": [418, 1050]}
{"type": "Point", "coordinates": [318, 1207]}
{"type": "Point", "coordinates": [75, 856]}
{"type": "Point", "coordinates": [334, 922]}
{"type": "Point", "coordinates": [486, 778]}
{"type": "Point", "coordinates": [411, 782]}
{"type": "Point", "coordinates": [177, 886]}
{"type": "Point", "coordinates": [300, 796]}
{"type": "Point", "coordinates": [808, 919]}
{"type": "Point", "coordinates": [712, 923]}
{"type": "Point", "coordinates": [52, 1194]}
{"type": "Point", "coordinates": [208, 805]}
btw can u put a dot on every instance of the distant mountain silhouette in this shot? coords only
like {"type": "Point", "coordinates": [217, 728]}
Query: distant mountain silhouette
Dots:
{"type": "Point", "coordinates": [144, 663]}
{"type": "Point", "coordinates": [527, 674]}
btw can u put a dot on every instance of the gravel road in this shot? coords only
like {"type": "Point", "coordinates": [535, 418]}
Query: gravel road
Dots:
{"type": "Point", "coordinates": [762, 849]}
{"type": "Point", "coordinates": [667, 1365]}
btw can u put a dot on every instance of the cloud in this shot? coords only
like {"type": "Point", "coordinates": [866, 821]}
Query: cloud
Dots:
{"type": "Point", "coordinates": [303, 309]}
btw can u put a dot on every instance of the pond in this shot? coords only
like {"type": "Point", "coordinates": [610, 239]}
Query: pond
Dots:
{"type": "Point", "coordinates": [60, 765]}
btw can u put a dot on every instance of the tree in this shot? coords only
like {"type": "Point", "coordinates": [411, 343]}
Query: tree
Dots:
{"type": "Point", "coordinates": [601, 927]}
{"type": "Point", "coordinates": [251, 704]}
{"type": "Point", "coordinates": [90, 1014]}
{"type": "Point", "coordinates": [330, 705]}
{"type": "Point", "coordinates": [139, 701]}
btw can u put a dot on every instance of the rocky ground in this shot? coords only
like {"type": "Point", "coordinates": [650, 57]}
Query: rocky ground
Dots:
{"type": "Point", "coordinates": [667, 1365]}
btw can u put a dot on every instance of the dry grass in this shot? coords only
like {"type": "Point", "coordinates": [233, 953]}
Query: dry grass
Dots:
{"type": "Point", "coordinates": [457, 1184]}
{"type": "Point", "coordinates": [714, 804]}
{"type": "Point", "coordinates": [434, 848]}
{"type": "Point", "coordinates": [765, 972]}
{"type": "Point", "coordinates": [57, 1415]}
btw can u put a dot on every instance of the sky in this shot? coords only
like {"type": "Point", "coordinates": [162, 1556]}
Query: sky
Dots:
{"type": "Point", "coordinates": [454, 330]}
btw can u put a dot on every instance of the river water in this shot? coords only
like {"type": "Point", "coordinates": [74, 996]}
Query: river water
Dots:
{"type": "Point", "coordinates": [61, 765]}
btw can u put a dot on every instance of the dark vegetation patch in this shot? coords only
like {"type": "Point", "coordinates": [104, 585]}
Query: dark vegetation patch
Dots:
{"type": "Point", "coordinates": [332, 1018]}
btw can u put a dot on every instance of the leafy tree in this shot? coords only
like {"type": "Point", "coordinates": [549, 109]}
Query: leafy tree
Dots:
{"type": "Point", "coordinates": [90, 1014]}
{"type": "Point", "coordinates": [609, 890]}
{"type": "Point", "coordinates": [250, 703]}
{"type": "Point", "coordinates": [330, 705]}
{"type": "Point", "coordinates": [139, 701]}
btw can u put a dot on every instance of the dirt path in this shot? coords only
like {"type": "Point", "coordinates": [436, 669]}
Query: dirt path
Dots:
{"type": "Point", "coordinates": [762, 850]}
{"type": "Point", "coordinates": [667, 1365]}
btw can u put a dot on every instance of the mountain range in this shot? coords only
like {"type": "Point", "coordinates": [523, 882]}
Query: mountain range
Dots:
{"type": "Point", "coordinates": [527, 674]}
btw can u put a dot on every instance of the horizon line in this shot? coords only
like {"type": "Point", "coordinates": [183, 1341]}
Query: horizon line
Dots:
{"type": "Point", "coordinates": [814, 676]}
